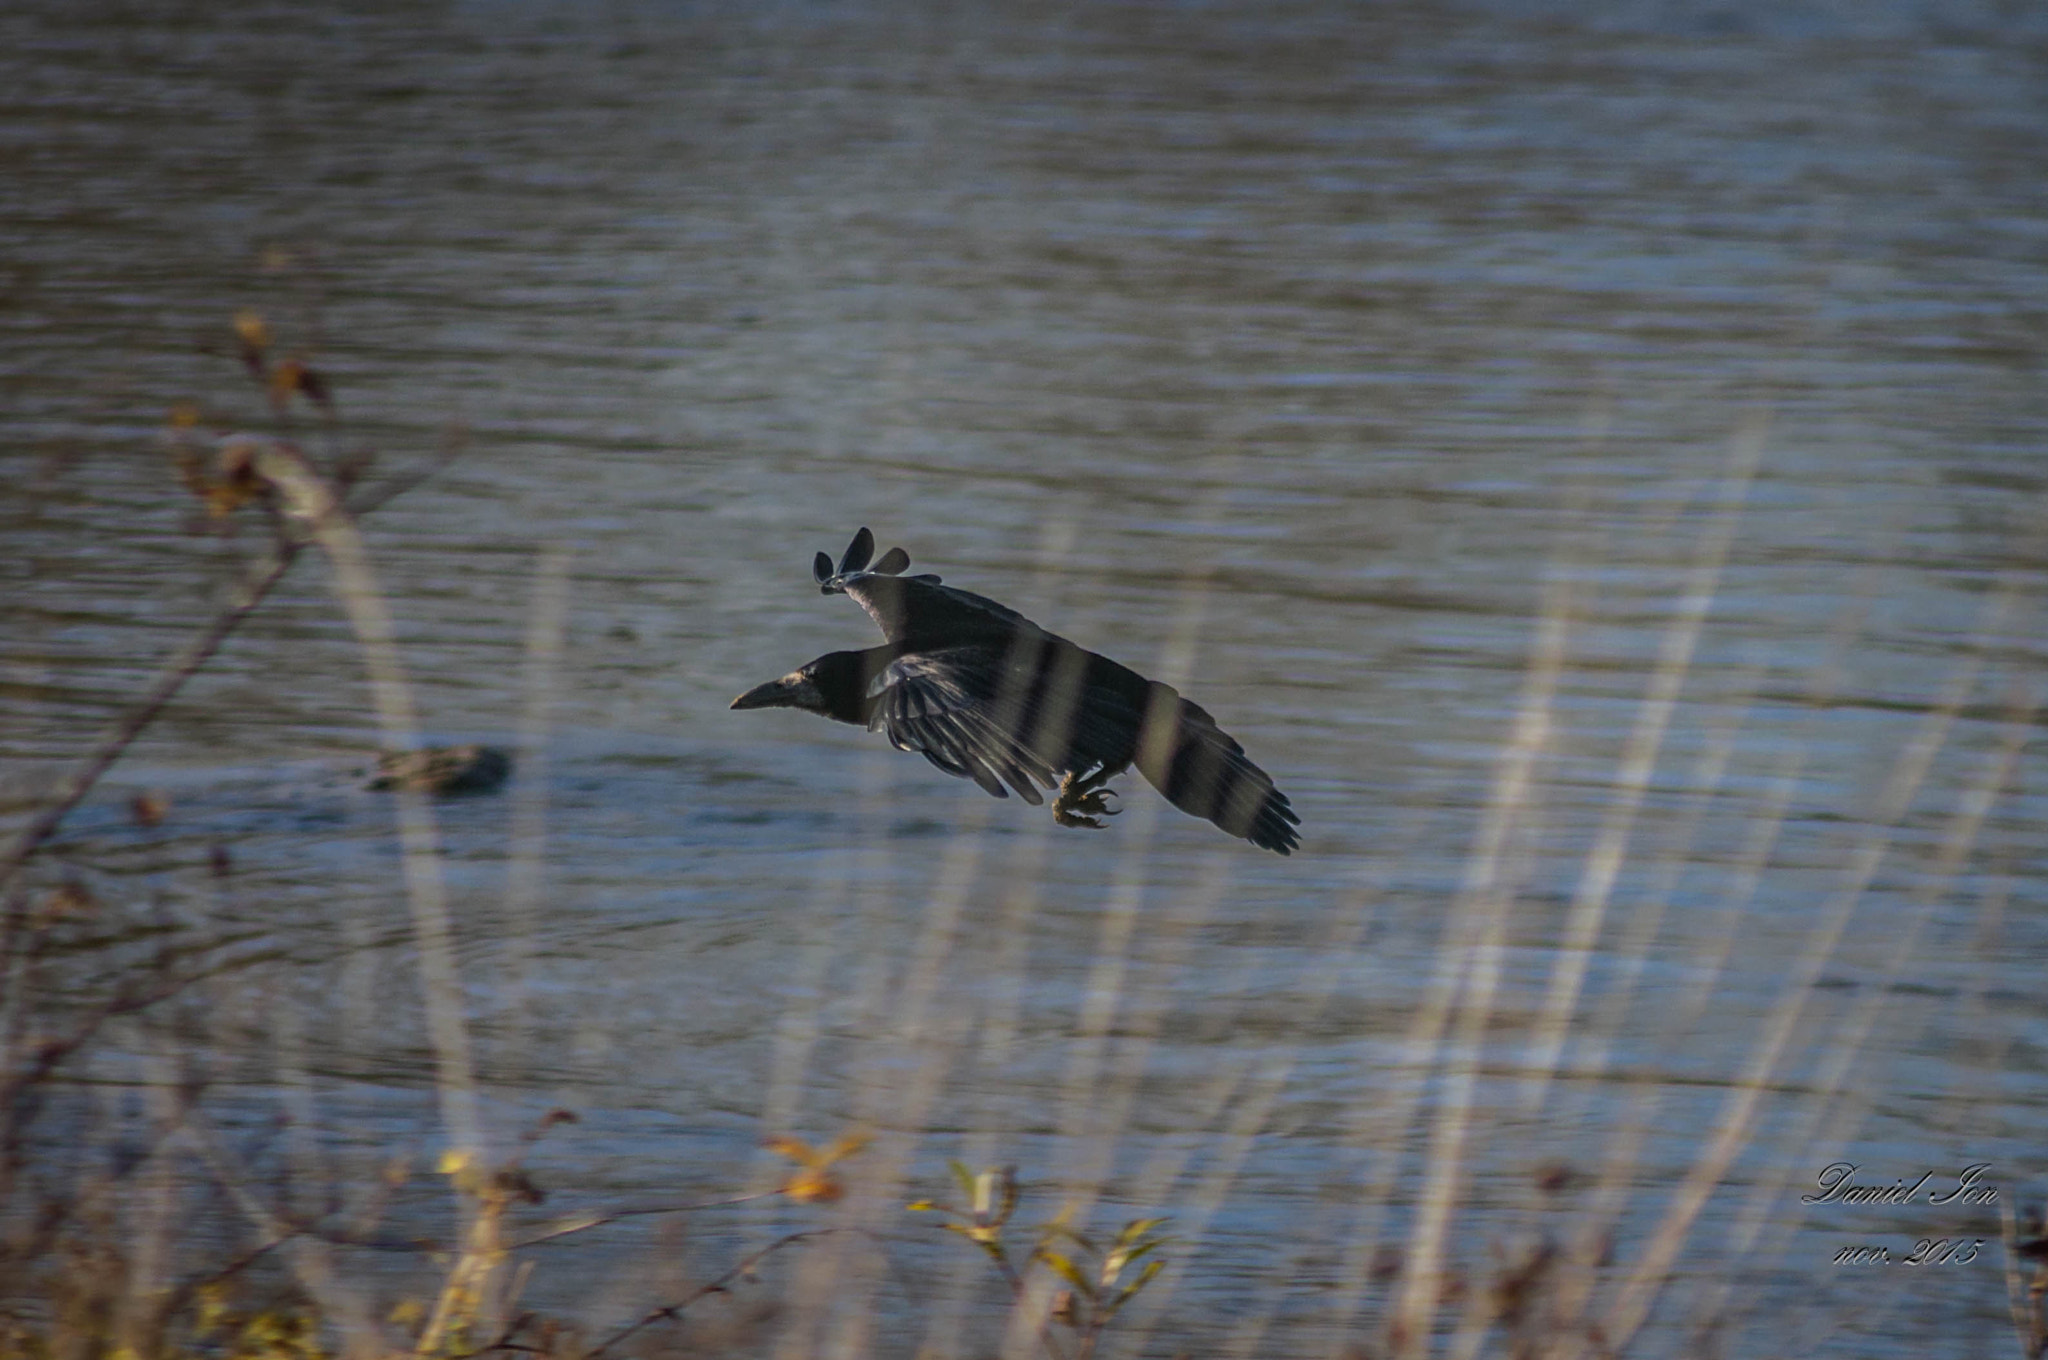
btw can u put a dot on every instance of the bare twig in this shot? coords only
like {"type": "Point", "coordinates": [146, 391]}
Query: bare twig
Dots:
{"type": "Point", "coordinates": [250, 592]}
{"type": "Point", "coordinates": [453, 442]}
{"type": "Point", "coordinates": [584, 1222]}
{"type": "Point", "coordinates": [743, 1268]}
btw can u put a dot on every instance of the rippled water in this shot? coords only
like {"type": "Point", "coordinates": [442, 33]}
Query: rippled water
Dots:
{"type": "Point", "coordinates": [1283, 352]}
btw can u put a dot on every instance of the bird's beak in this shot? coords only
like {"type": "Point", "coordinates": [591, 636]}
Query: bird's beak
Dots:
{"type": "Point", "coordinates": [774, 694]}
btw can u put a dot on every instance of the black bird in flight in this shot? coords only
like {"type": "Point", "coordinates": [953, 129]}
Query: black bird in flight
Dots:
{"type": "Point", "coordinates": [986, 694]}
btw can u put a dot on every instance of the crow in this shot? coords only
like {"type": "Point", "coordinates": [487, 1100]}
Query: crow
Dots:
{"type": "Point", "coordinates": [984, 693]}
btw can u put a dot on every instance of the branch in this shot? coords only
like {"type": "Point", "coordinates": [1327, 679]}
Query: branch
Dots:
{"type": "Point", "coordinates": [718, 1286]}
{"type": "Point", "coordinates": [584, 1222]}
{"type": "Point", "coordinates": [180, 668]}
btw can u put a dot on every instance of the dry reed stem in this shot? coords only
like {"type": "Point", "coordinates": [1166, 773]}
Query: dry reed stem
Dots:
{"type": "Point", "coordinates": [1339, 951]}
{"type": "Point", "coordinates": [1609, 1198]}
{"type": "Point", "coordinates": [798, 1030]}
{"type": "Point", "coordinates": [1601, 1215]}
{"type": "Point", "coordinates": [812, 1293]}
{"type": "Point", "coordinates": [1829, 1106]}
{"type": "Point", "coordinates": [419, 840]}
{"type": "Point", "coordinates": [1002, 987]}
{"type": "Point", "coordinates": [1263, 1083]}
{"type": "Point", "coordinates": [525, 873]}
{"type": "Point", "coordinates": [1494, 865]}
{"type": "Point", "coordinates": [1639, 759]}
{"type": "Point", "coordinates": [1467, 969]}
{"type": "Point", "coordinates": [906, 1105]}
{"type": "Point", "coordinates": [1731, 1129]}
{"type": "Point", "coordinates": [1003, 990]}
{"type": "Point", "coordinates": [1595, 1041]}
{"type": "Point", "coordinates": [1102, 994]}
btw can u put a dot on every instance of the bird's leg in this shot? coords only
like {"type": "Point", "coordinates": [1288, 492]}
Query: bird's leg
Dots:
{"type": "Point", "coordinates": [1080, 799]}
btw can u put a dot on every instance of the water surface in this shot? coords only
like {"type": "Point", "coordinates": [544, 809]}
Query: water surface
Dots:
{"type": "Point", "coordinates": [1282, 352]}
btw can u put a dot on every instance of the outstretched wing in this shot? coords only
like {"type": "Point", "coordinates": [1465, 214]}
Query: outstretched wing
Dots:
{"type": "Point", "coordinates": [917, 611]}
{"type": "Point", "coordinates": [940, 704]}
{"type": "Point", "coordinates": [1013, 713]}
{"type": "Point", "coordinates": [1203, 770]}
{"type": "Point", "coordinates": [912, 610]}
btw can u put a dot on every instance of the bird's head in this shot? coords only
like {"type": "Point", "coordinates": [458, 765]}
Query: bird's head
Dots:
{"type": "Point", "coordinates": [835, 685]}
{"type": "Point", "coordinates": [798, 689]}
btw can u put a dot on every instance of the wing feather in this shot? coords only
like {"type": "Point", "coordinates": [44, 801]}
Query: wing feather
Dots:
{"type": "Point", "coordinates": [917, 610]}
{"type": "Point", "coordinates": [1203, 770]}
{"type": "Point", "coordinates": [985, 694]}
{"type": "Point", "coordinates": [939, 704]}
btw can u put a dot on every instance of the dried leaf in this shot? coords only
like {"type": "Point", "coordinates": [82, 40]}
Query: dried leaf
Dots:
{"type": "Point", "coordinates": [796, 1149]}
{"type": "Point", "coordinates": [149, 809]}
{"type": "Point", "coordinates": [814, 1185]}
{"type": "Point", "coordinates": [253, 330]}
{"type": "Point", "coordinates": [64, 901]}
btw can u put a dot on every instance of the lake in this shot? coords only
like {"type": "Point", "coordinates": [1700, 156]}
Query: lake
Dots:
{"type": "Point", "coordinates": [1591, 455]}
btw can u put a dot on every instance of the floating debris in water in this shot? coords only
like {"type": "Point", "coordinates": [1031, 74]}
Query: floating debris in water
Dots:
{"type": "Point", "coordinates": [443, 769]}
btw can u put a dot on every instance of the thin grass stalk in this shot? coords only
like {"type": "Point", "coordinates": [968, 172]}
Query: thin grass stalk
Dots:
{"type": "Point", "coordinates": [1610, 1195]}
{"type": "Point", "coordinates": [1384, 1127]}
{"type": "Point", "coordinates": [151, 1221]}
{"type": "Point", "coordinates": [1170, 932]}
{"type": "Point", "coordinates": [1348, 926]}
{"type": "Point", "coordinates": [1100, 998]}
{"type": "Point", "coordinates": [905, 1105]}
{"type": "Point", "coordinates": [1003, 990]}
{"type": "Point", "coordinates": [1596, 1039]}
{"type": "Point", "coordinates": [1600, 1217]}
{"type": "Point", "coordinates": [1645, 924]}
{"type": "Point", "coordinates": [1731, 1129]}
{"type": "Point", "coordinates": [1263, 1083]}
{"type": "Point", "coordinates": [419, 840]}
{"type": "Point", "coordinates": [547, 620]}
{"type": "Point", "coordinates": [798, 1029]}
{"type": "Point", "coordinates": [1639, 761]}
{"type": "Point", "coordinates": [2022, 1304]}
{"type": "Point", "coordinates": [1466, 966]}
{"type": "Point", "coordinates": [1102, 994]}
{"type": "Point", "coordinates": [1830, 1106]}
{"type": "Point", "coordinates": [813, 1289]}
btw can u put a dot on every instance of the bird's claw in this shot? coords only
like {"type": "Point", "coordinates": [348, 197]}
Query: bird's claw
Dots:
{"type": "Point", "coordinates": [1080, 805]}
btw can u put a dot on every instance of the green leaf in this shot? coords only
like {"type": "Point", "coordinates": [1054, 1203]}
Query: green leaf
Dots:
{"type": "Point", "coordinates": [1145, 1249]}
{"type": "Point", "coordinates": [965, 1178]}
{"type": "Point", "coordinates": [1137, 1228]}
{"type": "Point", "coordinates": [1125, 1295]}
{"type": "Point", "coordinates": [1068, 1271]}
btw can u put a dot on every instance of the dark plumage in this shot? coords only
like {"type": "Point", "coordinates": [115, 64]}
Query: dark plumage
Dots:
{"type": "Point", "coordinates": [985, 694]}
